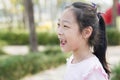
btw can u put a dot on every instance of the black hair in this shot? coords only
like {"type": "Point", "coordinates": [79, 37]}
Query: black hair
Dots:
{"type": "Point", "coordinates": [86, 15]}
{"type": "Point", "coordinates": [100, 49]}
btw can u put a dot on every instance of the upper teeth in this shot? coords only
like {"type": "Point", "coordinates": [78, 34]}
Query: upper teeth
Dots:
{"type": "Point", "coordinates": [62, 41]}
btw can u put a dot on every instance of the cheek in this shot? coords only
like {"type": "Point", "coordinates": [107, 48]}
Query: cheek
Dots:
{"type": "Point", "coordinates": [74, 40]}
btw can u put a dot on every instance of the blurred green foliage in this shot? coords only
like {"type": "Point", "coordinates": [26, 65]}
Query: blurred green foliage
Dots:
{"type": "Point", "coordinates": [52, 50]}
{"type": "Point", "coordinates": [113, 36]}
{"type": "Point", "coordinates": [116, 72]}
{"type": "Point", "coordinates": [2, 52]}
{"type": "Point", "coordinates": [16, 67]}
{"type": "Point", "coordinates": [2, 43]}
{"type": "Point", "coordinates": [13, 38]}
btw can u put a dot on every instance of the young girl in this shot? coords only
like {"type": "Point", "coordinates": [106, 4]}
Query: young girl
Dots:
{"type": "Point", "coordinates": [81, 28]}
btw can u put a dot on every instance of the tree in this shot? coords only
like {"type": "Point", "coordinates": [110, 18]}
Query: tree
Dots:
{"type": "Point", "coordinates": [114, 11]}
{"type": "Point", "coordinates": [29, 21]}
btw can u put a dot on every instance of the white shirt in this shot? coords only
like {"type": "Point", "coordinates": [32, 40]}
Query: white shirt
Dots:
{"type": "Point", "coordinates": [89, 69]}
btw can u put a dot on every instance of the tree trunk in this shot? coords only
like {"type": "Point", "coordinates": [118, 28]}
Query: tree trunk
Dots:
{"type": "Point", "coordinates": [29, 21]}
{"type": "Point", "coordinates": [114, 11]}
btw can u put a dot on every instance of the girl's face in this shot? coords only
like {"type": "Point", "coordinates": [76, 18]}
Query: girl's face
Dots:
{"type": "Point", "coordinates": [68, 32]}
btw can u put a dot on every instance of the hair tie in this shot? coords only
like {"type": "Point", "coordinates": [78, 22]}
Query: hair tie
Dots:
{"type": "Point", "coordinates": [94, 5]}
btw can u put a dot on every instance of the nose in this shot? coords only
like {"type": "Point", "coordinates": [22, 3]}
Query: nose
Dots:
{"type": "Point", "coordinates": [59, 31]}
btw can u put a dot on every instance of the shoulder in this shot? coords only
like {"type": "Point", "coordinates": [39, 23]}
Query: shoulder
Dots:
{"type": "Point", "coordinates": [96, 74]}
{"type": "Point", "coordinates": [89, 69]}
{"type": "Point", "coordinates": [95, 71]}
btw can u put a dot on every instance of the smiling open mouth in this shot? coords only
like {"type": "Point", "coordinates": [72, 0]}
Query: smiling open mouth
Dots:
{"type": "Point", "coordinates": [63, 42]}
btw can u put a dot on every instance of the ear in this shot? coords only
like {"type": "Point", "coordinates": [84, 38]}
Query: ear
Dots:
{"type": "Point", "coordinates": [86, 33]}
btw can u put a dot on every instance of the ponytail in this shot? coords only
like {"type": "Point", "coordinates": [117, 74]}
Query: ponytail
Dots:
{"type": "Point", "coordinates": [100, 48]}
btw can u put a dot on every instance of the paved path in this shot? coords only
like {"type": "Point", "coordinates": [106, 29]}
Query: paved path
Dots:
{"type": "Point", "coordinates": [113, 57]}
{"type": "Point", "coordinates": [52, 74]}
{"type": "Point", "coordinates": [19, 50]}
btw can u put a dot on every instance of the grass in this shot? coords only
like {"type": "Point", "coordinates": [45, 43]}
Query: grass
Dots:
{"type": "Point", "coordinates": [116, 72]}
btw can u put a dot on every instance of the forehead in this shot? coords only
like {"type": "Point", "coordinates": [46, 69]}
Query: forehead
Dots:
{"type": "Point", "coordinates": [68, 15]}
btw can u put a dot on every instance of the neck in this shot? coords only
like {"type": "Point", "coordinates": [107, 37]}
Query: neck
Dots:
{"type": "Point", "coordinates": [81, 54]}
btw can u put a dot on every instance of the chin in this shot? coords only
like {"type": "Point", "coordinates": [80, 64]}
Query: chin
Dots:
{"type": "Point", "coordinates": [65, 50]}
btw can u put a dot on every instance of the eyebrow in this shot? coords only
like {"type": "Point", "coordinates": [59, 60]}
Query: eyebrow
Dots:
{"type": "Point", "coordinates": [65, 21]}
